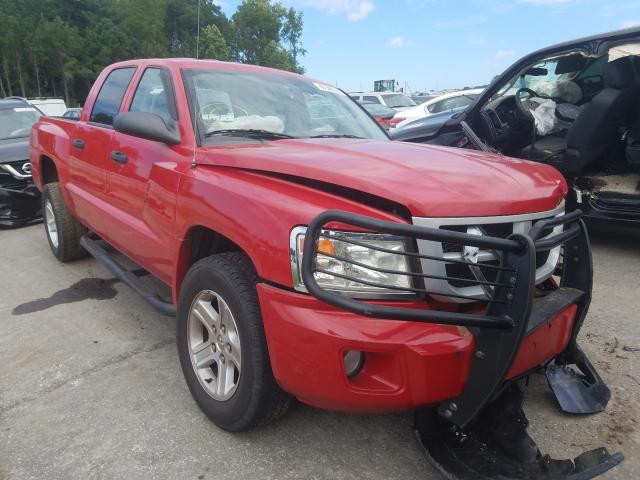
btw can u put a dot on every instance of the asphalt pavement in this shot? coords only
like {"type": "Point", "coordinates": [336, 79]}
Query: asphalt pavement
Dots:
{"type": "Point", "coordinates": [91, 387]}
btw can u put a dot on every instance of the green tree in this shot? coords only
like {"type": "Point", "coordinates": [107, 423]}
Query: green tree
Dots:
{"type": "Point", "coordinates": [54, 42]}
{"type": "Point", "coordinates": [58, 47]}
{"type": "Point", "coordinates": [261, 27]}
{"type": "Point", "coordinates": [291, 33]}
{"type": "Point", "coordinates": [212, 44]}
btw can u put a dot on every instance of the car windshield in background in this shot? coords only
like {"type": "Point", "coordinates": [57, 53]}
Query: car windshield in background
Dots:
{"type": "Point", "coordinates": [230, 103]}
{"type": "Point", "coordinates": [398, 100]}
{"type": "Point", "coordinates": [16, 122]}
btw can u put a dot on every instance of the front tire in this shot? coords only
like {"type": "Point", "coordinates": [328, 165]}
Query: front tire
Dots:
{"type": "Point", "coordinates": [222, 346]}
{"type": "Point", "coordinates": [62, 228]}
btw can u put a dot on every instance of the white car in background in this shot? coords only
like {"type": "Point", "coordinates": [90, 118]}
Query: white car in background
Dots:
{"type": "Point", "coordinates": [396, 100]}
{"type": "Point", "coordinates": [52, 107]}
{"type": "Point", "coordinates": [443, 103]}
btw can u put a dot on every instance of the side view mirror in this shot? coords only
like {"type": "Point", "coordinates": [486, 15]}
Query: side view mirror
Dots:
{"type": "Point", "coordinates": [146, 125]}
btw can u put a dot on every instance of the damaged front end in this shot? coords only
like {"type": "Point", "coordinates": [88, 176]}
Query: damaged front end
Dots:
{"type": "Point", "coordinates": [19, 197]}
{"type": "Point", "coordinates": [482, 432]}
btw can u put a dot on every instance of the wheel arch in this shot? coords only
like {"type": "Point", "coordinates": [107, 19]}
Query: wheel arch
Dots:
{"type": "Point", "coordinates": [201, 241]}
{"type": "Point", "coordinates": [48, 170]}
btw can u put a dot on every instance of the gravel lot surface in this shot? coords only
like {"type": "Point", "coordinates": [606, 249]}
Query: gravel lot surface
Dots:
{"type": "Point", "coordinates": [90, 386]}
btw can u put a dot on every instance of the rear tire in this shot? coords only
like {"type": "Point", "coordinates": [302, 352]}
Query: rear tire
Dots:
{"type": "Point", "coordinates": [62, 228]}
{"type": "Point", "coordinates": [222, 346]}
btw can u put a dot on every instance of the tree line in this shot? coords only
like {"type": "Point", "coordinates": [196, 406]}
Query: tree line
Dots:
{"type": "Point", "coordinates": [56, 48]}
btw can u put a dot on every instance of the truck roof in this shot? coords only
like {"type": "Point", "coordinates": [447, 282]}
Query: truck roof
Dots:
{"type": "Point", "coordinates": [189, 63]}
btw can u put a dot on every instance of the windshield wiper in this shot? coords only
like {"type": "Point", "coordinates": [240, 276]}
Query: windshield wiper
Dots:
{"type": "Point", "coordinates": [335, 136]}
{"type": "Point", "coordinates": [249, 133]}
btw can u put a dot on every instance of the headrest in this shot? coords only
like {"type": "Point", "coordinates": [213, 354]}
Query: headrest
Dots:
{"type": "Point", "coordinates": [619, 73]}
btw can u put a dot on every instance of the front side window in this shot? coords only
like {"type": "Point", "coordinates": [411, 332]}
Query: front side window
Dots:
{"type": "Point", "coordinates": [16, 122]}
{"type": "Point", "coordinates": [154, 95]}
{"type": "Point", "coordinates": [369, 98]}
{"type": "Point", "coordinates": [229, 102]}
{"type": "Point", "coordinates": [110, 97]}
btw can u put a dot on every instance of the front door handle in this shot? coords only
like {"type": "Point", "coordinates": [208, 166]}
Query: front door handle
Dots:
{"type": "Point", "coordinates": [119, 157]}
{"type": "Point", "coordinates": [79, 144]}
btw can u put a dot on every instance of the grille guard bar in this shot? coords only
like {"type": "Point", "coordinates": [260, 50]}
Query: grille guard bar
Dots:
{"type": "Point", "coordinates": [504, 325]}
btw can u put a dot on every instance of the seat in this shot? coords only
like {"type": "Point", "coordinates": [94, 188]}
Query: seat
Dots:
{"type": "Point", "coordinates": [596, 134]}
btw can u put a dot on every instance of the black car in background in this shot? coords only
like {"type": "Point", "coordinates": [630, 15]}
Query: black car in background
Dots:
{"type": "Point", "coordinates": [574, 106]}
{"type": "Point", "coordinates": [19, 197]}
{"type": "Point", "coordinates": [382, 114]}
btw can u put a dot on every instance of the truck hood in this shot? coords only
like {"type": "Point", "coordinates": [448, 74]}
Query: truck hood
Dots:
{"type": "Point", "coordinates": [430, 181]}
{"type": "Point", "coordinates": [14, 149]}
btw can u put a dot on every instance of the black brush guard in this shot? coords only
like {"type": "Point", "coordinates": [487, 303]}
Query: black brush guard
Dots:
{"type": "Point", "coordinates": [482, 432]}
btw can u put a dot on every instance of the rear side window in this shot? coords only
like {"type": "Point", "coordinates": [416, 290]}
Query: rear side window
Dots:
{"type": "Point", "coordinates": [155, 95]}
{"type": "Point", "coordinates": [110, 97]}
{"type": "Point", "coordinates": [369, 98]}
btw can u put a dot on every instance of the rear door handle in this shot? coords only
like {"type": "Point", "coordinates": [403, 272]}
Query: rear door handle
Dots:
{"type": "Point", "coordinates": [119, 157]}
{"type": "Point", "coordinates": [79, 144]}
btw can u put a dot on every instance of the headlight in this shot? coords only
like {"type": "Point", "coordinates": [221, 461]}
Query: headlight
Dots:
{"type": "Point", "coordinates": [351, 263]}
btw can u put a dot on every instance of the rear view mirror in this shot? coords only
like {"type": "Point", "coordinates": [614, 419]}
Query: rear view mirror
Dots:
{"type": "Point", "coordinates": [146, 125]}
{"type": "Point", "coordinates": [536, 72]}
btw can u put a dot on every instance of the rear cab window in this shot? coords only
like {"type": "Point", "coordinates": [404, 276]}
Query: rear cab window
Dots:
{"type": "Point", "coordinates": [109, 99]}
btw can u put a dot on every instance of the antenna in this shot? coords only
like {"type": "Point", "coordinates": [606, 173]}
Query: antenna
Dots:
{"type": "Point", "coordinates": [198, 33]}
{"type": "Point", "coordinates": [195, 102]}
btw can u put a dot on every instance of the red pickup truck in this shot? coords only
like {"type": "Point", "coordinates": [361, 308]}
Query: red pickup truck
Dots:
{"type": "Point", "coordinates": [309, 256]}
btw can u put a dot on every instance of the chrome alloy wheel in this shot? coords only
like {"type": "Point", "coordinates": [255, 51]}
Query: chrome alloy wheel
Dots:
{"type": "Point", "coordinates": [50, 219]}
{"type": "Point", "coordinates": [214, 345]}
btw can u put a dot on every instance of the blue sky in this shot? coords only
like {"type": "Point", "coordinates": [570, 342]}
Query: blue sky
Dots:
{"type": "Point", "coordinates": [440, 43]}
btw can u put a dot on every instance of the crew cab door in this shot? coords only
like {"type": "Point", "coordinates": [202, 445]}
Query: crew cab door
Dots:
{"type": "Point", "coordinates": [89, 146]}
{"type": "Point", "coordinates": [143, 179]}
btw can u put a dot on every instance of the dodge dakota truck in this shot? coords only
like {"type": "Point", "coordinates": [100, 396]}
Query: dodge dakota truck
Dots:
{"type": "Point", "coordinates": [306, 255]}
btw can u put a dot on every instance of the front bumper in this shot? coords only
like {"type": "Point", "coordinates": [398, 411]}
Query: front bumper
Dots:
{"type": "Point", "coordinates": [19, 204]}
{"type": "Point", "coordinates": [408, 365]}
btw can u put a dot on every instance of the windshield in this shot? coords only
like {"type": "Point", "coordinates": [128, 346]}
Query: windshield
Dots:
{"type": "Point", "coordinates": [232, 101]}
{"type": "Point", "coordinates": [16, 122]}
{"type": "Point", "coordinates": [551, 78]}
{"type": "Point", "coordinates": [398, 100]}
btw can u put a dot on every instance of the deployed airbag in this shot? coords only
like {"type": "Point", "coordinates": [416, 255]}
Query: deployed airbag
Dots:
{"type": "Point", "coordinates": [544, 115]}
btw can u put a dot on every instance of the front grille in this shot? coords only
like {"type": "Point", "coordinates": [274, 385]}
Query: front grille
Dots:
{"type": "Point", "coordinates": [9, 181]}
{"type": "Point", "coordinates": [460, 277]}
{"type": "Point", "coordinates": [14, 174]}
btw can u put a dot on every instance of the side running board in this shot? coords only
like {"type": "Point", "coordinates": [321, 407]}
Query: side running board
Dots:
{"type": "Point", "coordinates": [94, 245]}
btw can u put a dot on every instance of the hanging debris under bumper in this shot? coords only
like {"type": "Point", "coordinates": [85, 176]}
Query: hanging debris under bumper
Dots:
{"type": "Point", "coordinates": [496, 446]}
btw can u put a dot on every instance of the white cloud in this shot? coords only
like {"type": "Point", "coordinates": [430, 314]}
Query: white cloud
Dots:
{"type": "Point", "coordinates": [630, 23]}
{"type": "Point", "coordinates": [399, 42]}
{"type": "Point", "coordinates": [505, 53]}
{"type": "Point", "coordinates": [355, 10]}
